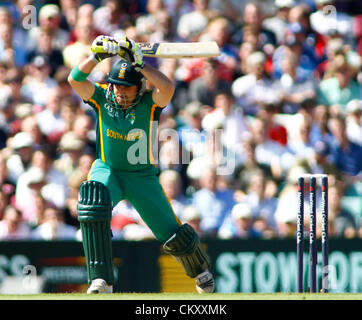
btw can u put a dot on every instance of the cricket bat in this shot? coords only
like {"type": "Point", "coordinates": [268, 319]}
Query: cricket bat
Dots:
{"type": "Point", "coordinates": [180, 49]}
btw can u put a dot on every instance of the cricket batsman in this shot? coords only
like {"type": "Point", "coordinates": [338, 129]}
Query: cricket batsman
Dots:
{"type": "Point", "coordinates": [124, 167]}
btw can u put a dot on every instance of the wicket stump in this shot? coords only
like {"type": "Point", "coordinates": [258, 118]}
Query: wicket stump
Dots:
{"type": "Point", "coordinates": [313, 259]}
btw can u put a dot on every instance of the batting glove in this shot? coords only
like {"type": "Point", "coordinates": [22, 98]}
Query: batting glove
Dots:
{"type": "Point", "coordinates": [134, 49]}
{"type": "Point", "coordinates": [138, 57]}
{"type": "Point", "coordinates": [104, 47]}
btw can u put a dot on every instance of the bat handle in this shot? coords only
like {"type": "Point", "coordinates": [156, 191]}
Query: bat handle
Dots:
{"type": "Point", "coordinates": [128, 51]}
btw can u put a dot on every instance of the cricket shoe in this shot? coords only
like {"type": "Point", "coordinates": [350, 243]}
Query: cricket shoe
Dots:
{"type": "Point", "coordinates": [205, 282]}
{"type": "Point", "coordinates": [99, 286]}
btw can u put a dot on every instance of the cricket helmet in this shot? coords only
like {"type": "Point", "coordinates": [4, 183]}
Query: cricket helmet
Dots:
{"type": "Point", "coordinates": [123, 73]}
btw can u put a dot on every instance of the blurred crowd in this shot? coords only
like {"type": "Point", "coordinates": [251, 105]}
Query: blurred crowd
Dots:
{"type": "Point", "coordinates": [283, 99]}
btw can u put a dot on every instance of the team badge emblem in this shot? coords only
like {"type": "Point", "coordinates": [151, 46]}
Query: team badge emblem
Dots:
{"type": "Point", "coordinates": [122, 71]}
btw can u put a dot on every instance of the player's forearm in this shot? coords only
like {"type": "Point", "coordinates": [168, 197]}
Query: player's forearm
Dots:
{"type": "Point", "coordinates": [86, 67]}
{"type": "Point", "coordinates": [158, 79]}
{"type": "Point", "coordinates": [78, 78]}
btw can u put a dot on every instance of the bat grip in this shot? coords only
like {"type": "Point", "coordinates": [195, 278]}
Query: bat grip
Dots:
{"type": "Point", "coordinates": [129, 52]}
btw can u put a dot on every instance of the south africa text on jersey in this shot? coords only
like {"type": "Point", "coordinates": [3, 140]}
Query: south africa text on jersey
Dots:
{"type": "Point", "coordinates": [130, 136]}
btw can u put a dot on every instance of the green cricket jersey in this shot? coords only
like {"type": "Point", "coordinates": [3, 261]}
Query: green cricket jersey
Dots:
{"type": "Point", "coordinates": [125, 139]}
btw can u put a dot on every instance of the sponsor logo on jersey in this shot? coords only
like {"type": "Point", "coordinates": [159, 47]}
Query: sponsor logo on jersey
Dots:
{"type": "Point", "coordinates": [111, 111]}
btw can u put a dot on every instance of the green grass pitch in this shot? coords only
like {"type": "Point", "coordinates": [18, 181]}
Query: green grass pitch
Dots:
{"type": "Point", "coordinates": [187, 296]}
